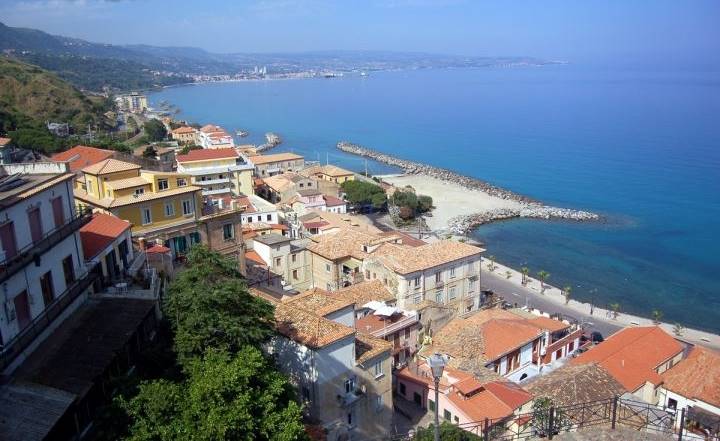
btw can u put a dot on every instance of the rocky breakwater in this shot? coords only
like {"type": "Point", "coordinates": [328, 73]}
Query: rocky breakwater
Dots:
{"type": "Point", "coordinates": [527, 207]}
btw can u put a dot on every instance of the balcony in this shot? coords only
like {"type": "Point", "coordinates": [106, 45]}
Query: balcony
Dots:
{"type": "Point", "coordinates": [35, 250]}
{"type": "Point", "coordinates": [217, 191]}
{"type": "Point", "coordinates": [20, 342]}
{"type": "Point", "coordinates": [349, 398]}
{"type": "Point", "coordinates": [406, 321]}
{"type": "Point", "coordinates": [212, 181]}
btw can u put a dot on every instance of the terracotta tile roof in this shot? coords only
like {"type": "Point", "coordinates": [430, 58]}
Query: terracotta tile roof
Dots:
{"type": "Point", "coordinates": [157, 249]}
{"type": "Point", "coordinates": [100, 232]}
{"type": "Point", "coordinates": [110, 166]}
{"type": "Point", "coordinates": [307, 328]}
{"type": "Point", "coordinates": [281, 182]}
{"type": "Point", "coordinates": [267, 159]}
{"type": "Point", "coordinates": [184, 130]}
{"type": "Point", "coordinates": [208, 154]}
{"type": "Point", "coordinates": [133, 199]}
{"type": "Point", "coordinates": [82, 156]}
{"type": "Point", "coordinates": [484, 336]}
{"type": "Point", "coordinates": [632, 355]}
{"type": "Point", "coordinates": [340, 244]}
{"type": "Point", "coordinates": [572, 384]}
{"type": "Point", "coordinates": [372, 323]}
{"type": "Point", "coordinates": [368, 347]}
{"type": "Point", "coordinates": [364, 292]}
{"type": "Point", "coordinates": [405, 260]}
{"type": "Point", "coordinates": [696, 377]}
{"type": "Point", "coordinates": [318, 301]}
{"type": "Point", "coordinates": [405, 238]}
{"type": "Point", "coordinates": [334, 171]}
{"type": "Point", "coordinates": [120, 184]}
{"type": "Point", "coordinates": [255, 257]}
{"type": "Point", "coordinates": [341, 221]}
{"type": "Point", "coordinates": [332, 201]}
{"type": "Point", "coordinates": [211, 128]}
{"type": "Point", "coordinates": [549, 324]}
{"type": "Point", "coordinates": [4, 141]}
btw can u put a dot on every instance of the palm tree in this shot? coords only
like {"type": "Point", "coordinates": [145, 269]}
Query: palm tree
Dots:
{"type": "Point", "coordinates": [491, 265]}
{"type": "Point", "coordinates": [678, 329]}
{"type": "Point", "coordinates": [508, 274]}
{"type": "Point", "coordinates": [525, 270]}
{"type": "Point", "coordinates": [615, 307]}
{"type": "Point", "coordinates": [566, 292]}
{"type": "Point", "coordinates": [657, 316]}
{"type": "Point", "coordinates": [543, 275]}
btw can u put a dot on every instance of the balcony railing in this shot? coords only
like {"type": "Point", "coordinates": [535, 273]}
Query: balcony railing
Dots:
{"type": "Point", "coordinates": [22, 340]}
{"type": "Point", "coordinates": [36, 249]}
{"type": "Point", "coordinates": [213, 181]}
{"type": "Point", "coordinates": [403, 323]}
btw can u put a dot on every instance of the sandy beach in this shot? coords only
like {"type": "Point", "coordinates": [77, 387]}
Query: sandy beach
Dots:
{"type": "Point", "coordinates": [450, 199]}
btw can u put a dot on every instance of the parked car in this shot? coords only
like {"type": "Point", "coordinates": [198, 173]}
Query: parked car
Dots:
{"type": "Point", "coordinates": [595, 337]}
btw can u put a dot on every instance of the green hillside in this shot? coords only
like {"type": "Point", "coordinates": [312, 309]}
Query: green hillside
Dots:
{"type": "Point", "coordinates": [30, 96]}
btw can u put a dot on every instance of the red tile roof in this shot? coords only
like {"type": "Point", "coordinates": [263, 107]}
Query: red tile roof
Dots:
{"type": "Point", "coordinates": [157, 249]}
{"type": "Point", "coordinates": [184, 129]}
{"type": "Point", "coordinates": [255, 257]}
{"type": "Point", "coordinates": [208, 154]}
{"type": "Point", "coordinates": [82, 156]}
{"type": "Point", "coordinates": [697, 377]}
{"type": "Point", "coordinates": [332, 201]}
{"type": "Point", "coordinates": [632, 355]}
{"type": "Point", "coordinates": [100, 232]}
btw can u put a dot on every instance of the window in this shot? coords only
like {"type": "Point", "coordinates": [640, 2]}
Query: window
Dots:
{"type": "Point", "coordinates": [416, 282]}
{"type": "Point", "coordinates": [278, 261]}
{"type": "Point", "coordinates": [162, 184]}
{"type": "Point", "coordinates": [181, 182]}
{"type": "Point", "coordinates": [327, 267]}
{"type": "Point", "coordinates": [228, 232]}
{"type": "Point", "coordinates": [349, 385]}
{"type": "Point", "coordinates": [438, 277]}
{"type": "Point", "coordinates": [187, 207]}
{"type": "Point", "coordinates": [249, 219]}
{"type": "Point", "coordinates": [146, 216]}
{"type": "Point", "coordinates": [268, 217]}
{"type": "Point", "coordinates": [36, 230]}
{"type": "Point", "coordinates": [447, 415]}
{"type": "Point", "coordinates": [417, 299]}
{"type": "Point", "coordinates": [452, 293]}
{"type": "Point", "coordinates": [139, 191]}
{"type": "Point", "coordinates": [439, 297]}
{"type": "Point", "coordinates": [7, 238]}
{"type": "Point", "coordinates": [403, 389]}
{"type": "Point", "coordinates": [293, 258]}
{"type": "Point", "coordinates": [68, 270]}
{"type": "Point", "coordinates": [46, 286]}
{"type": "Point", "coordinates": [302, 185]}
{"type": "Point", "coordinates": [431, 405]}
{"type": "Point", "coordinates": [378, 402]}
{"type": "Point", "coordinates": [58, 211]}
{"type": "Point", "coordinates": [471, 286]}
{"type": "Point", "coordinates": [378, 369]}
{"type": "Point", "coordinates": [672, 404]}
{"type": "Point", "coordinates": [452, 271]}
{"type": "Point", "coordinates": [367, 274]}
{"type": "Point", "coordinates": [169, 209]}
{"type": "Point", "coordinates": [456, 419]}
{"type": "Point", "coordinates": [295, 274]}
{"type": "Point", "coordinates": [407, 333]}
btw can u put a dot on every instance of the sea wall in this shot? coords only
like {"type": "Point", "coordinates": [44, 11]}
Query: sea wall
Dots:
{"type": "Point", "coordinates": [463, 224]}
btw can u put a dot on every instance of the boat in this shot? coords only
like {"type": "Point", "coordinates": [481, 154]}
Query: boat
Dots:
{"type": "Point", "coordinates": [242, 133]}
{"type": "Point", "coordinates": [363, 74]}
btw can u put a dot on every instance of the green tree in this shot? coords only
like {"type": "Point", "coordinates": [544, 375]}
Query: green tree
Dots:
{"type": "Point", "coordinates": [678, 329]}
{"type": "Point", "coordinates": [360, 192]}
{"type": "Point", "coordinates": [149, 152]}
{"type": "Point", "coordinates": [542, 406]}
{"type": "Point", "coordinates": [185, 150]}
{"type": "Point", "coordinates": [543, 275]}
{"type": "Point", "coordinates": [525, 271]}
{"type": "Point", "coordinates": [405, 198]}
{"type": "Point", "coordinates": [425, 203]}
{"type": "Point", "coordinates": [448, 432]}
{"type": "Point", "coordinates": [208, 305]}
{"type": "Point", "coordinates": [491, 264]}
{"type": "Point", "coordinates": [508, 274]}
{"type": "Point", "coordinates": [378, 200]}
{"type": "Point", "coordinates": [657, 316]}
{"type": "Point", "coordinates": [567, 292]}
{"type": "Point", "coordinates": [615, 307]}
{"type": "Point", "coordinates": [155, 130]}
{"type": "Point", "coordinates": [224, 396]}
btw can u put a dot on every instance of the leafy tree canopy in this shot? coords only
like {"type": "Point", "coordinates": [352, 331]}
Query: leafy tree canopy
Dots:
{"type": "Point", "coordinates": [361, 192]}
{"type": "Point", "coordinates": [448, 432]}
{"type": "Point", "coordinates": [155, 130]}
{"type": "Point", "coordinates": [149, 152]}
{"type": "Point", "coordinates": [225, 396]}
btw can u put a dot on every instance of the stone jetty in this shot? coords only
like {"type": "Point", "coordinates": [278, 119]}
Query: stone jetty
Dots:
{"type": "Point", "coordinates": [528, 207]}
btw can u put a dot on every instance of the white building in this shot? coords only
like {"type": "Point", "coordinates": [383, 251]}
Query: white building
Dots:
{"type": "Point", "coordinates": [43, 276]}
{"type": "Point", "coordinates": [215, 137]}
{"type": "Point", "coordinates": [258, 209]}
{"type": "Point", "coordinates": [220, 172]}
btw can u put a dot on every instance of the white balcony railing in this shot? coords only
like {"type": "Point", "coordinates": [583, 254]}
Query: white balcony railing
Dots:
{"type": "Point", "coordinates": [217, 191]}
{"type": "Point", "coordinates": [212, 181]}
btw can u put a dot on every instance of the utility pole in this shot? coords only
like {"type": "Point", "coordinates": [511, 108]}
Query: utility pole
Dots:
{"type": "Point", "coordinates": [327, 158]}
{"type": "Point", "coordinates": [366, 171]}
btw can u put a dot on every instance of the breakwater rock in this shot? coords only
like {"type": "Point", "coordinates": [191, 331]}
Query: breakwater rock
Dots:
{"type": "Point", "coordinates": [528, 207]}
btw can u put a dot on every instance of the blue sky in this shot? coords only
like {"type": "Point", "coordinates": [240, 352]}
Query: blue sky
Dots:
{"type": "Point", "coordinates": [652, 30]}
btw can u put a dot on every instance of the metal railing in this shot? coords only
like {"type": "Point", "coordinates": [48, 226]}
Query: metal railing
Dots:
{"type": "Point", "coordinates": [35, 250]}
{"type": "Point", "coordinates": [608, 414]}
{"type": "Point", "coordinates": [28, 334]}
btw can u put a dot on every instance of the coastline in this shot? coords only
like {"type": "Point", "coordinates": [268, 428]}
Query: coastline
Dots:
{"type": "Point", "coordinates": [498, 203]}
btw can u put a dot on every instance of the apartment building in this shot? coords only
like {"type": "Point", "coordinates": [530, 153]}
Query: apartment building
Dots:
{"type": "Point", "coordinates": [219, 172]}
{"type": "Point", "coordinates": [271, 165]}
{"type": "Point", "coordinates": [637, 358]}
{"type": "Point", "coordinates": [133, 102]}
{"type": "Point", "coordinates": [285, 186]}
{"type": "Point", "coordinates": [82, 156]}
{"type": "Point", "coordinates": [344, 376]}
{"type": "Point", "coordinates": [285, 257]}
{"type": "Point", "coordinates": [211, 136]}
{"type": "Point", "coordinates": [446, 271]}
{"type": "Point", "coordinates": [160, 206]}
{"type": "Point", "coordinates": [186, 135]}
{"type": "Point", "coordinates": [513, 344]}
{"type": "Point", "coordinates": [42, 267]}
{"type": "Point", "coordinates": [330, 173]}
{"type": "Point", "coordinates": [256, 209]}
{"type": "Point", "coordinates": [107, 241]}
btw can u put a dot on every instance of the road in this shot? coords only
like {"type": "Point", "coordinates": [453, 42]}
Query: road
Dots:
{"type": "Point", "coordinates": [513, 293]}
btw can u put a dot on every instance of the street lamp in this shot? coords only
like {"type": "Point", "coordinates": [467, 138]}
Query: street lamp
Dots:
{"type": "Point", "coordinates": [437, 363]}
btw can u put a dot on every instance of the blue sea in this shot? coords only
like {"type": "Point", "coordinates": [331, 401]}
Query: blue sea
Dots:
{"type": "Point", "coordinates": [642, 148]}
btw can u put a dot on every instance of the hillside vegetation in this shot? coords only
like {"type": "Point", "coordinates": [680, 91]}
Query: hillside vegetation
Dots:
{"type": "Point", "coordinates": [30, 96]}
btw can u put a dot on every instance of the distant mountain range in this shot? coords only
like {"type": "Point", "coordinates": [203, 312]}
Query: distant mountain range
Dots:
{"type": "Point", "coordinates": [93, 66]}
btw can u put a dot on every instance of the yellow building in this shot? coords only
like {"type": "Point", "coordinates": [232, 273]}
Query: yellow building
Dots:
{"type": "Point", "coordinates": [329, 173]}
{"type": "Point", "coordinates": [219, 172]}
{"type": "Point", "coordinates": [185, 135]}
{"type": "Point", "coordinates": [159, 205]}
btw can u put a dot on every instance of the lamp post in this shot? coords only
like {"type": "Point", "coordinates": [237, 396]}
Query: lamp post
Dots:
{"type": "Point", "coordinates": [437, 363]}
